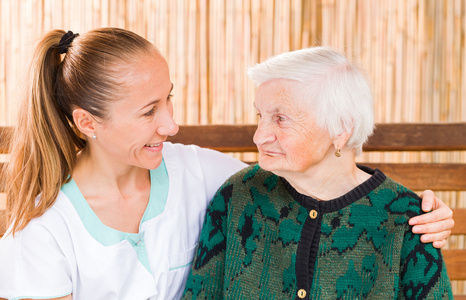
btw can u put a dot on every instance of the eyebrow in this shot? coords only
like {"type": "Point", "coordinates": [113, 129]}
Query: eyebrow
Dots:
{"type": "Point", "coordinates": [273, 110]}
{"type": "Point", "coordinates": [155, 101]}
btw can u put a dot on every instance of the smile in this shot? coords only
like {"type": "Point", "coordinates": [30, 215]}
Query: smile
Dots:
{"type": "Point", "coordinates": [153, 145]}
{"type": "Point", "coordinates": [271, 153]}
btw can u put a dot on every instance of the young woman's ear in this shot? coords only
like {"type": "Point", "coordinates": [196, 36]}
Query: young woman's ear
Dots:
{"type": "Point", "coordinates": [84, 121]}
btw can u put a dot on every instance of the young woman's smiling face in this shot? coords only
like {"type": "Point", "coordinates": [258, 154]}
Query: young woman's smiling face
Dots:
{"type": "Point", "coordinates": [141, 119]}
{"type": "Point", "coordinates": [287, 137]}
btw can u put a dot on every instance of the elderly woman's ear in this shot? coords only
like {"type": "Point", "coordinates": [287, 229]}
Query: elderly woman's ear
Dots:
{"type": "Point", "coordinates": [340, 140]}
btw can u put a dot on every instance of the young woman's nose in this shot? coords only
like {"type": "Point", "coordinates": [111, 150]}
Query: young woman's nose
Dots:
{"type": "Point", "coordinates": [167, 125]}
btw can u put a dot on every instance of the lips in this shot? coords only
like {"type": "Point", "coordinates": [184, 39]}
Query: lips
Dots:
{"type": "Point", "coordinates": [269, 152]}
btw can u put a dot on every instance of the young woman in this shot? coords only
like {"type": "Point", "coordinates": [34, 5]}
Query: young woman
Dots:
{"type": "Point", "coordinates": [101, 206]}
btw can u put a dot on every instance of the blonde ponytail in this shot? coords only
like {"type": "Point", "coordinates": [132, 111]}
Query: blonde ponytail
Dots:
{"type": "Point", "coordinates": [44, 146]}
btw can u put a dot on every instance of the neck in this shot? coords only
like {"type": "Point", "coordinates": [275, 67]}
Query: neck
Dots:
{"type": "Point", "coordinates": [333, 177]}
{"type": "Point", "coordinates": [96, 175]}
{"type": "Point", "coordinates": [117, 193]}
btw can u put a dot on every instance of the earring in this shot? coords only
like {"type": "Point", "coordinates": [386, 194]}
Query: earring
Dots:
{"type": "Point", "coordinates": [94, 136]}
{"type": "Point", "coordinates": [338, 153]}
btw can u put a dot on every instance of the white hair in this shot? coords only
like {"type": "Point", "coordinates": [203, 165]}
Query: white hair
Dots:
{"type": "Point", "coordinates": [336, 89]}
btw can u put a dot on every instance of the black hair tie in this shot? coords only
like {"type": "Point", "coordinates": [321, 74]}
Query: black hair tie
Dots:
{"type": "Point", "coordinates": [65, 41]}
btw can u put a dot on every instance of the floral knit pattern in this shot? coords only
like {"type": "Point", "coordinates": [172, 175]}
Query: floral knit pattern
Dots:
{"type": "Point", "coordinates": [263, 240]}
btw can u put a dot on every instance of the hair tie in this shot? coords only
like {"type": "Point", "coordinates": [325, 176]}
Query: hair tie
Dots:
{"type": "Point", "coordinates": [65, 41]}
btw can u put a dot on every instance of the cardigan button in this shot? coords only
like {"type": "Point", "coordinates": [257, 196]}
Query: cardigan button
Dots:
{"type": "Point", "coordinates": [302, 293]}
{"type": "Point", "coordinates": [313, 214]}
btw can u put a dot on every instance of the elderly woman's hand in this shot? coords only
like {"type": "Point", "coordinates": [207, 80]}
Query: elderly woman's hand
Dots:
{"type": "Point", "coordinates": [435, 226]}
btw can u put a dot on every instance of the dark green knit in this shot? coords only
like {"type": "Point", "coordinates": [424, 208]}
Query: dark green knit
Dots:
{"type": "Point", "coordinates": [259, 242]}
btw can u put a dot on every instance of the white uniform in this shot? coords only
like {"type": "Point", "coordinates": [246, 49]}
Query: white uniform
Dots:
{"type": "Point", "coordinates": [68, 250]}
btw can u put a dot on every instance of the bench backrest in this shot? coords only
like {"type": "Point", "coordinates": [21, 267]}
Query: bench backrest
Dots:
{"type": "Point", "coordinates": [414, 137]}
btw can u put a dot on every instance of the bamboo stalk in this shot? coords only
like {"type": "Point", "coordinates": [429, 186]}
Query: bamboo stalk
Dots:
{"type": "Point", "coordinates": [4, 115]}
{"type": "Point", "coordinates": [205, 100]}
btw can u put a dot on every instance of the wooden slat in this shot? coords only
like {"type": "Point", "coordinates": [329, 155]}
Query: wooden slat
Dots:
{"type": "Point", "coordinates": [226, 138]}
{"type": "Point", "coordinates": [421, 176]}
{"type": "Point", "coordinates": [2, 178]}
{"type": "Point", "coordinates": [459, 215]}
{"type": "Point", "coordinates": [2, 222]}
{"type": "Point", "coordinates": [387, 137]}
{"type": "Point", "coordinates": [456, 263]}
{"type": "Point", "coordinates": [418, 137]}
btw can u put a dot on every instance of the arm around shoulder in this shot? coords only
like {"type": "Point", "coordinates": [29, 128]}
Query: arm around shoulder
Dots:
{"type": "Point", "coordinates": [435, 226]}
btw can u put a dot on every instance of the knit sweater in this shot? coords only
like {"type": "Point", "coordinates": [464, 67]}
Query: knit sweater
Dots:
{"type": "Point", "coordinates": [261, 239]}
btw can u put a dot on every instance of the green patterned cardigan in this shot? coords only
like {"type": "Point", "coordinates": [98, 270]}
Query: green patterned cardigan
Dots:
{"type": "Point", "coordinates": [263, 240]}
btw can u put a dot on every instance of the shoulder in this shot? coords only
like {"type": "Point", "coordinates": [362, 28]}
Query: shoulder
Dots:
{"type": "Point", "coordinates": [53, 222]}
{"type": "Point", "coordinates": [190, 150]}
{"type": "Point", "coordinates": [201, 168]}
{"type": "Point", "coordinates": [251, 175]}
{"type": "Point", "coordinates": [192, 154]}
{"type": "Point", "coordinates": [250, 180]}
{"type": "Point", "coordinates": [37, 255]}
{"type": "Point", "coordinates": [397, 198]}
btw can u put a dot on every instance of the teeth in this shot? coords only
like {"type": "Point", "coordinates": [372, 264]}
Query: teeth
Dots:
{"type": "Point", "coordinates": [153, 145]}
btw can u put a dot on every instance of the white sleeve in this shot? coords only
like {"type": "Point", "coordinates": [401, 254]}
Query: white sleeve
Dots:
{"type": "Point", "coordinates": [32, 265]}
{"type": "Point", "coordinates": [217, 168]}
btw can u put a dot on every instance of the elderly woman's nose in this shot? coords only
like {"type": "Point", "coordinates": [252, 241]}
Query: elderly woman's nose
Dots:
{"type": "Point", "coordinates": [262, 135]}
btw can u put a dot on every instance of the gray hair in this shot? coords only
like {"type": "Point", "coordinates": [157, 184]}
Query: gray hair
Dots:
{"type": "Point", "coordinates": [336, 89]}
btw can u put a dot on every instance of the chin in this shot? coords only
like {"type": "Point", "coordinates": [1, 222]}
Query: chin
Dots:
{"type": "Point", "coordinates": [277, 167]}
{"type": "Point", "coordinates": [266, 164]}
{"type": "Point", "coordinates": [150, 165]}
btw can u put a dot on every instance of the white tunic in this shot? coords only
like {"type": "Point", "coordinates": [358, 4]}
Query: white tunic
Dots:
{"type": "Point", "coordinates": [56, 254]}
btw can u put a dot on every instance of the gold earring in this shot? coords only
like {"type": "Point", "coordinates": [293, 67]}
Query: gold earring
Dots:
{"type": "Point", "coordinates": [338, 153]}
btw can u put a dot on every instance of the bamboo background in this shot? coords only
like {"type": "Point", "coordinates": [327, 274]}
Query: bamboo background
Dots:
{"type": "Point", "coordinates": [414, 52]}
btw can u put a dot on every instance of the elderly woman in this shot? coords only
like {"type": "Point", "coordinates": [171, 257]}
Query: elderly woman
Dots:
{"type": "Point", "coordinates": [307, 222]}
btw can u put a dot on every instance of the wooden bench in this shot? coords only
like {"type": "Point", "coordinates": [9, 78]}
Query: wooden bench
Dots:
{"type": "Point", "coordinates": [392, 138]}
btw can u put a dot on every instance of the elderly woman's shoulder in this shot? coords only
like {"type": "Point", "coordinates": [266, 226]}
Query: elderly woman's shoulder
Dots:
{"type": "Point", "coordinates": [251, 173]}
{"type": "Point", "coordinates": [398, 198]}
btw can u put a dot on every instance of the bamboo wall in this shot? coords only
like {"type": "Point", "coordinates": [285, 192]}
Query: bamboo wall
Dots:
{"type": "Point", "coordinates": [414, 52]}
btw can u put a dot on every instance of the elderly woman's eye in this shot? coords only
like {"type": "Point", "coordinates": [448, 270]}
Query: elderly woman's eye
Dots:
{"type": "Point", "coordinates": [281, 119]}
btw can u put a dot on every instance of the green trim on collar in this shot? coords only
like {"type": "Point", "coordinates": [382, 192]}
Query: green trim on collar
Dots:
{"type": "Point", "coordinates": [45, 297]}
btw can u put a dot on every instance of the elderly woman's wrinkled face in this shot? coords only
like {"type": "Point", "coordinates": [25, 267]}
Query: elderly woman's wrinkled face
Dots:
{"type": "Point", "coordinates": [287, 136]}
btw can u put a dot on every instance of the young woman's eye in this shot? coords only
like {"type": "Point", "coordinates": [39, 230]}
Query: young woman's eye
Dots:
{"type": "Point", "coordinates": [150, 113]}
{"type": "Point", "coordinates": [170, 96]}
